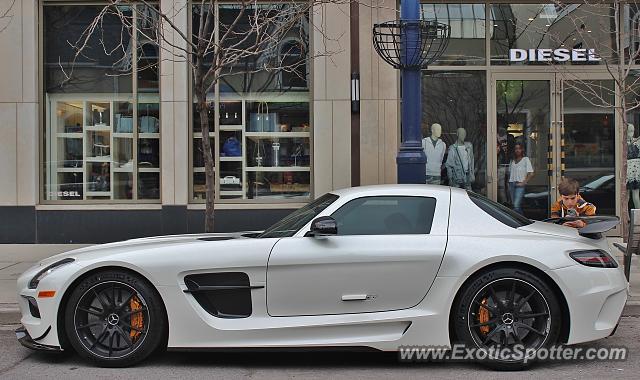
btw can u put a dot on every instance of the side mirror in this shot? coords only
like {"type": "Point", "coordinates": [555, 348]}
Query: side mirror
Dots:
{"type": "Point", "coordinates": [323, 226]}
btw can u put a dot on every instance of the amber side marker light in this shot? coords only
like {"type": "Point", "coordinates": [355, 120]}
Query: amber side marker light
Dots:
{"type": "Point", "coordinates": [46, 293]}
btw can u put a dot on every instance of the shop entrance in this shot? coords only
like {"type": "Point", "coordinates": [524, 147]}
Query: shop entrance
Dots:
{"type": "Point", "coordinates": [547, 127]}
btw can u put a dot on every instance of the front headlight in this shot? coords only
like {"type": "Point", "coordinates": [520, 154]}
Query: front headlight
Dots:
{"type": "Point", "coordinates": [48, 269]}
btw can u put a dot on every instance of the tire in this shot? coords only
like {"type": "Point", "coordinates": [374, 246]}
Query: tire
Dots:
{"type": "Point", "coordinates": [115, 319]}
{"type": "Point", "coordinates": [526, 316]}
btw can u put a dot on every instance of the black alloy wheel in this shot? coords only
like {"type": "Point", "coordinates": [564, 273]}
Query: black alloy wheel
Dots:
{"type": "Point", "coordinates": [115, 319]}
{"type": "Point", "coordinates": [509, 311]}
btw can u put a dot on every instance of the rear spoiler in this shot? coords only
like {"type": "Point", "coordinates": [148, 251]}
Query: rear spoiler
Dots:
{"type": "Point", "coordinates": [596, 225]}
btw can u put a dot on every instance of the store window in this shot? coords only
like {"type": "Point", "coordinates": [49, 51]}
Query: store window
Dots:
{"type": "Point", "coordinates": [551, 26]}
{"type": "Point", "coordinates": [260, 117]}
{"type": "Point", "coordinates": [102, 132]}
{"type": "Point", "coordinates": [454, 128]}
{"type": "Point", "coordinates": [588, 146]}
{"type": "Point", "coordinates": [467, 39]}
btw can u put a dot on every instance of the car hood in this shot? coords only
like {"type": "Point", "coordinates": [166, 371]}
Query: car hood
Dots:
{"type": "Point", "coordinates": [551, 229]}
{"type": "Point", "coordinates": [146, 243]}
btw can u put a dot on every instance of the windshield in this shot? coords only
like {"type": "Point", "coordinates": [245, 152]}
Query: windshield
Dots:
{"type": "Point", "coordinates": [288, 226]}
{"type": "Point", "coordinates": [598, 182]}
{"type": "Point", "coordinates": [497, 211]}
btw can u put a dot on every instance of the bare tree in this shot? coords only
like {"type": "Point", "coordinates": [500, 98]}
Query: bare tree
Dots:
{"type": "Point", "coordinates": [249, 45]}
{"type": "Point", "coordinates": [6, 15]}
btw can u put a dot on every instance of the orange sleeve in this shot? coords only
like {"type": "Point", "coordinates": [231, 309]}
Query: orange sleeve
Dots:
{"type": "Point", "coordinates": [555, 209]}
{"type": "Point", "coordinates": [589, 209]}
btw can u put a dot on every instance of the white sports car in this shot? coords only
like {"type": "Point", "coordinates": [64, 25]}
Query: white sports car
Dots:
{"type": "Point", "coordinates": [380, 267]}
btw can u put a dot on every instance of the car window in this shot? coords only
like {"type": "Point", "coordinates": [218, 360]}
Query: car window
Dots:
{"type": "Point", "coordinates": [497, 211]}
{"type": "Point", "coordinates": [386, 215]}
{"type": "Point", "coordinates": [288, 226]}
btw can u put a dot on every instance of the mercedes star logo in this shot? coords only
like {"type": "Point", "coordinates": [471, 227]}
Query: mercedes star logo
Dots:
{"type": "Point", "coordinates": [507, 318]}
{"type": "Point", "coordinates": [113, 319]}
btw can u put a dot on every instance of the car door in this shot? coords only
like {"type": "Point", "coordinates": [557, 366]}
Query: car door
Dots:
{"type": "Point", "coordinates": [385, 257]}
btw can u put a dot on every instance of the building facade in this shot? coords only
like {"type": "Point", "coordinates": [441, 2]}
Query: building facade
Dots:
{"type": "Point", "coordinates": [103, 146]}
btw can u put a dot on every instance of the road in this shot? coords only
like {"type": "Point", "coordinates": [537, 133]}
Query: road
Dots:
{"type": "Point", "coordinates": [17, 362]}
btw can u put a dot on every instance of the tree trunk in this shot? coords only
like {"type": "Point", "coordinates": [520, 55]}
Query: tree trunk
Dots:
{"type": "Point", "coordinates": [624, 197]}
{"type": "Point", "coordinates": [209, 163]}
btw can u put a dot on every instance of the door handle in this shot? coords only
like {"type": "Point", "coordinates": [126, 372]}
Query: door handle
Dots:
{"type": "Point", "coordinates": [354, 297]}
{"type": "Point", "coordinates": [357, 297]}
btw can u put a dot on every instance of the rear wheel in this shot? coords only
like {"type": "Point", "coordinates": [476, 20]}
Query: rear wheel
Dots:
{"type": "Point", "coordinates": [115, 319]}
{"type": "Point", "coordinates": [509, 312]}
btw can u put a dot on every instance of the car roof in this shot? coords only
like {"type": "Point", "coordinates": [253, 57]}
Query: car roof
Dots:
{"type": "Point", "coordinates": [395, 189]}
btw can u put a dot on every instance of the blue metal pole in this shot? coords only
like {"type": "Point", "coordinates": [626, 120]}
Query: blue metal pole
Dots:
{"type": "Point", "coordinates": [411, 159]}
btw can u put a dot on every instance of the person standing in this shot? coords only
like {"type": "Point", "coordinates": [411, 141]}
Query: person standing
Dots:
{"type": "Point", "coordinates": [520, 172]}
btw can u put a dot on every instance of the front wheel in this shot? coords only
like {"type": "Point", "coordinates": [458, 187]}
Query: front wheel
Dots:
{"type": "Point", "coordinates": [115, 319]}
{"type": "Point", "coordinates": [509, 313]}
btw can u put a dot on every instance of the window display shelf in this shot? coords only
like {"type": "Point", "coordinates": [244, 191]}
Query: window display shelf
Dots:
{"type": "Point", "coordinates": [262, 149]}
{"type": "Point", "coordinates": [279, 134]}
{"type": "Point", "coordinates": [278, 169]}
{"type": "Point", "coordinates": [148, 135]}
{"type": "Point", "coordinates": [98, 193]}
{"type": "Point", "coordinates": [70, 170]}
{"type": "Point", "coordinates": [100, 128]}
{"type": "Point", "coordinates": [232, 192]}
{"type": "Point", "coordinates": [123, 135]}
{"type": "Point", "coordinates": [198, 135]}
{"type": "Point", "coordinates": [200, 169]}
{"type": "Point", "coordinates": [93, 146]}
{"type": "Point", "coordinates": [149, 170]}
{"type": "Point", "coordinates": [67, 135]}
{"type": "Point", "coordinates": [98, 159]}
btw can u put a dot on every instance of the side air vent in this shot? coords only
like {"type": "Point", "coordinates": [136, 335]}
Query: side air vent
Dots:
{"type": "Point", "coordinates": [223, 295]}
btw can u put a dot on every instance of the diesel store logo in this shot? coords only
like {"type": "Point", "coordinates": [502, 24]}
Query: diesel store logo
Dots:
{"type": "Point", "coordinates": [64, 194]}
{"type": "Point", "coordinates": [555, 55]}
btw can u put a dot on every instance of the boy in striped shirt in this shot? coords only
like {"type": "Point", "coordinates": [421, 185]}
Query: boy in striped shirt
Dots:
{"type": "Point", "coordinates": [571, 203]}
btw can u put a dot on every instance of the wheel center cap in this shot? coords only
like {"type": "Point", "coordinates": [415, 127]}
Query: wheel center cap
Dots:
{"type": "Point", "coordinates": [507, 318]}
{"type": "Point", "coordinates": [113, 319]}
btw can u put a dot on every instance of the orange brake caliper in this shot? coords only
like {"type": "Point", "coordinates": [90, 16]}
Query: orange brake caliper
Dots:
{"type": "Point", "coordinates": [483, 317]}
{"type": "Point", "coordinates": [137, 319]}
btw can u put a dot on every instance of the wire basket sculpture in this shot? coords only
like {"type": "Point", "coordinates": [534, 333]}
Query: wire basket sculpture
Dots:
{"type": "Point", "coordinates": [397, 48]}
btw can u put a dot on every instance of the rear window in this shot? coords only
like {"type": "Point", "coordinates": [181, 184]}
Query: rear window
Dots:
{"type": "Point", "coordinates": [503, 214]}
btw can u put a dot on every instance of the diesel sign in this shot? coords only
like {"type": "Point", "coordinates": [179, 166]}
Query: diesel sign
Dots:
{"type": "Point", "coordinates": [60, 194]}
{"type": "Point", "coordinates": [555, 55]}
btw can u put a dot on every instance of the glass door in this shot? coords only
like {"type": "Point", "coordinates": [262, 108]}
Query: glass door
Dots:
{"type": "Point", "coordinates": [587, 149]}
{"type": "Point", "coordinates": [547, 127]}
{"type": "Point", "coordinates": [524, 179]}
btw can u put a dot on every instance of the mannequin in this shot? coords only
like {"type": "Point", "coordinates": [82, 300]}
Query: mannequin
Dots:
{"type": "Point", "coordinates": [633, 165]}
{"type": "Point", "coordinates": [504, 151]}
{"type": "Point", "coordinates": [434, 149]}
{"type": "Point", "coordinates": [460, 163]}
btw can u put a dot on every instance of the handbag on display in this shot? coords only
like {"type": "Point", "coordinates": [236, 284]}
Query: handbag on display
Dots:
{"type": "Point", "coordinates": [262, 121]}
{"type": "Point", "coordinates": [124, 124]}
{"type": "Point", "coordinates": [149, 124]}
{"type": "Point", "coordinates": [231, 147]}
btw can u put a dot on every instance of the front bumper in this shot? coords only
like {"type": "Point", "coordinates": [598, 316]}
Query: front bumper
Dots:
{"type": "Point", "coordinates": [26, 340]}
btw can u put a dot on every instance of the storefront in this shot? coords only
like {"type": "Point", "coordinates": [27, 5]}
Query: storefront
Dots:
{"type": "Point", "coordinates": [91, 153]}
{"type": "Point", "coordinates": [537, 78]}
{"type": "Point", "coordinates": [102, 145]}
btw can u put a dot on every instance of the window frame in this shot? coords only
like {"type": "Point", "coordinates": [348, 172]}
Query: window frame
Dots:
{"type": "Point", "coordinates": [135, 95]}
{"type": "Point", "coordinates": [246, 99]}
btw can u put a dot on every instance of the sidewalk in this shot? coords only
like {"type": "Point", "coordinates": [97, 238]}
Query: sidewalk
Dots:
{"type": "Point", "coordinates": [16, 258]}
